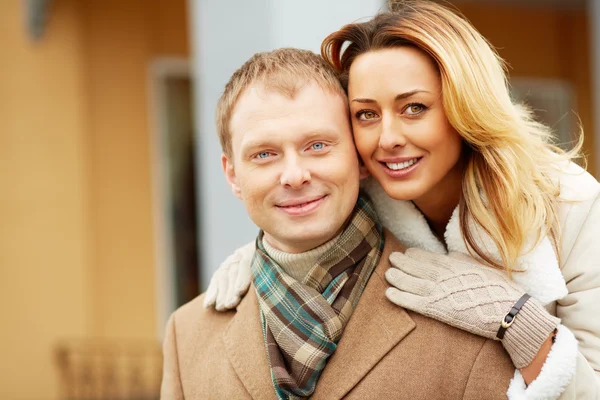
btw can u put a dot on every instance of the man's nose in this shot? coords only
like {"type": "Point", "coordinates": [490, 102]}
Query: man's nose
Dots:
{"type": "Point", "coordinates": [295, 173]}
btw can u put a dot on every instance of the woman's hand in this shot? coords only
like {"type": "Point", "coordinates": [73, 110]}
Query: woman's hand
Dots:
{"type": "Point", "coordinates": [231, 280]}
{"type": "Point", "coordinates": [459, 291]}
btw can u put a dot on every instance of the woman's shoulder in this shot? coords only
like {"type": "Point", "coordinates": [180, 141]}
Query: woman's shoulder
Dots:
{"type": "Point", "coordinates": [578, 206]}
{"type": "Point", "coordinates": [576, 184]}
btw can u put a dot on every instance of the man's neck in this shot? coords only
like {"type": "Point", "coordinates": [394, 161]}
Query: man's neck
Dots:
{"type": "Point", "coordinates": [297, 265]}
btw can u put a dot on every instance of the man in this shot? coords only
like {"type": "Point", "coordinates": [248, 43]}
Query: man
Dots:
{"type": "Point", "coordinates": [316, 322]}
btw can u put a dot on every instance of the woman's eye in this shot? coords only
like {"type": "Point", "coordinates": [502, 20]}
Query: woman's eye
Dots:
{"type": "Point", "coordinates": [414, 109]}
{"type": "Point", "coordinates": [318, 146]}
{"type": "Point", "coordinates": [366, 115]}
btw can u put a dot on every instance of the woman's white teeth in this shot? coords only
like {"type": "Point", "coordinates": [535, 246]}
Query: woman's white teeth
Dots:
{"type": "Point", "coordinates": [402, 165]}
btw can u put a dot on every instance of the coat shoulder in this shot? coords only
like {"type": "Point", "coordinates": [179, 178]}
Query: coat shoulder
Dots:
{"type": "Point", "coordinates": [578, 201]}
{"type": "Point", "coordinates": [576, 184]}
{"type": "Point", "coordinates": [192, 319]}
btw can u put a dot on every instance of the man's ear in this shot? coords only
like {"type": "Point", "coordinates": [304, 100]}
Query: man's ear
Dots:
{"type": "Point", "coordinates": [230, 175]}
{"type": "Point", "coordinates": [363, 172]}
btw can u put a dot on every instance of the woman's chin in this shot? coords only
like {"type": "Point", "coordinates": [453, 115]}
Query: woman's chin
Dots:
{"type": "Point", "coordinates": [407, 191]}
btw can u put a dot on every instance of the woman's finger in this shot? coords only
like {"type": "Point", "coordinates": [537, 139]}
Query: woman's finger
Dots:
{"type": "Point", "coordinates": [408, 283]}
{"type": "Point", "coordinates": [414, 266]}
{"type": "Point", "coordinates": [406, 300]}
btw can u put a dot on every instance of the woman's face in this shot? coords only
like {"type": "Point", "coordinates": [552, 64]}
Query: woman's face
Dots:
{"type": "Point", "coordinates": [400, 128]}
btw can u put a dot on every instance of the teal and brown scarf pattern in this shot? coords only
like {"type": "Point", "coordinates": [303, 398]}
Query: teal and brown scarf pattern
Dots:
{"type": "Point", "coordinates": [303, 321]}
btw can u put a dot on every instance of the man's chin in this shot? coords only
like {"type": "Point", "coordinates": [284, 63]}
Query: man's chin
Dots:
{"type": "Point", "coordinates": [300, 240]}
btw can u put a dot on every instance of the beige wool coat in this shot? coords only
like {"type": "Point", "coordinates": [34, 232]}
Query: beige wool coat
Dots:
{"type": "Point", "coordinates": [385, 353]}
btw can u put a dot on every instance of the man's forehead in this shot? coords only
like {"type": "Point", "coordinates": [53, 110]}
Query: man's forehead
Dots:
{"type": "Point", "coordinates": [259, 93]}
{"type": "Point", "coordinates": [261, 112]}
{"type": "Point", "coordinates": [262, 94]}
{"type": "Point", "coordinates": [280, 134]}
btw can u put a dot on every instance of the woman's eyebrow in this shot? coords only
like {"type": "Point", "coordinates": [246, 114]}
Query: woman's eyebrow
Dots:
{"type": "Point", "coordinates": [400, 96]}
{"type": "Point", "coordinates": [406, 95]}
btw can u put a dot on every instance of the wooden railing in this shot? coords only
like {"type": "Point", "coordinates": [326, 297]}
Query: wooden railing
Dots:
{"type": "Point", "coordinates": [97, 369]}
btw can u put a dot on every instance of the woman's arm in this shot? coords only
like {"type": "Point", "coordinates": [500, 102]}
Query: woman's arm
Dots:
{"type": "Point", "coordinates": [580, 308]}
{"type": "Point", "coordinates": [461, 292]}
{"type": "Point", "coordinates": [231, 280]}
{"type": "Point", "coordinates": [532, 371]}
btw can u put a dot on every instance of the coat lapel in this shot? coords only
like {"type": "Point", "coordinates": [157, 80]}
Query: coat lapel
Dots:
{"type": "Point", "coordinates": [245, 347]}
{"type": "Point", "coordinates": [375, 328]}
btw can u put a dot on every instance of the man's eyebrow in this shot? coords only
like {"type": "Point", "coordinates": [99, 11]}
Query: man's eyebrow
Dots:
{"type": "Point", "coordinates": [319, 133]}
{"type": "Point", "coordinates": [256, 144]}
{"type": "Point", "coordinates": [325, 133]}
{"type": "Point", "coordinates": [401, 96]}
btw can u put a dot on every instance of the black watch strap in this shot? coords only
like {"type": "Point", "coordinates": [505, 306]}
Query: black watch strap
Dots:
{"type": "Point", "coordinates": [509, 318]}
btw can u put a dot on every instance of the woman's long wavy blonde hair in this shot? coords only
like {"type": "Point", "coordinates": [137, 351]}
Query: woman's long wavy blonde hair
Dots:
{"type": "Point", "coordinates": [510, 156]}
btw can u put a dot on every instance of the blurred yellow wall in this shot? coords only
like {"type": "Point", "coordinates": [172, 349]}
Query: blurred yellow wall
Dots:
{"type": "Point", "coordinates": [542, 43]}
{"type": "Point", "coordinates": [45, 236]}
{"type": "Point", "coordinates": [122, 37]}
{"type": "Point", "coordinates": [76, 244]}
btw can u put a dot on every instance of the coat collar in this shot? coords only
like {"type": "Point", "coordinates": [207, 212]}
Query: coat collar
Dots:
{"type": "Point", "coordinates": [375, 318]}
{"type": "Point", "coordinates": [541, 278]}
{"type": "Point", "coordinates": [245, 347]}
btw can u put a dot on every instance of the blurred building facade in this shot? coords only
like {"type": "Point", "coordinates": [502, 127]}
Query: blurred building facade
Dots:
{"type": "Point", "coordinates": [83, 230]}
{"type": "Point", "coordinates": [76, 238]}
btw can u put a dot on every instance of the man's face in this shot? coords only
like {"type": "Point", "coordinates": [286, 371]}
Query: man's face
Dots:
{"type": "Point", "coordinates": [294, 164]}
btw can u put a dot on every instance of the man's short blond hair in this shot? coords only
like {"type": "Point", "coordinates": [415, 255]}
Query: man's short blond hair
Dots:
{"type": "Point", "coordinates": [285, 71]}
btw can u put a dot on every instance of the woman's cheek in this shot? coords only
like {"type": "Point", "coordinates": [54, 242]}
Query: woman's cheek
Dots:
{"type": "Point", "coordinates": [364, 146]}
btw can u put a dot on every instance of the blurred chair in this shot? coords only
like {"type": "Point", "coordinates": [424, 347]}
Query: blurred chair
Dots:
{"type": "Point", "coordinates": [102, 369]}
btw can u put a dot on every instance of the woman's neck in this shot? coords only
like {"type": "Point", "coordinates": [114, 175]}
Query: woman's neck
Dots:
{"type": "Point", "coordinates": [438, 204]}
{"type": "Point", "coordinates": [437, 212]}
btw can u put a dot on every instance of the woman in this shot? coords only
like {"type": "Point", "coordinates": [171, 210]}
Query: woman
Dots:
{"type": "Point", "coordinates": [457, 167]}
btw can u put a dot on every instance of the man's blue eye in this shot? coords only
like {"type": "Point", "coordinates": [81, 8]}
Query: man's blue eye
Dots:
{"type": "Point", "coordinates": [318, 146]}
{"type": "Point", "coordinates": [263, 154]}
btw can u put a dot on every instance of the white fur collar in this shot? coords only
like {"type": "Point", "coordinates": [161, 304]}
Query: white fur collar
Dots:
{"type": "Point", "coordinates": [541, 278]}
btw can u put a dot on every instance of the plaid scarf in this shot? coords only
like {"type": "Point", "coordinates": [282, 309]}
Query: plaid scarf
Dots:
{"type": "Point", "coordinates": [303, 321]}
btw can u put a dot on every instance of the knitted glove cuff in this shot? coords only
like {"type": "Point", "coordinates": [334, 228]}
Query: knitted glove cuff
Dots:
{"type": "Point", "coordinates": [531, 328]}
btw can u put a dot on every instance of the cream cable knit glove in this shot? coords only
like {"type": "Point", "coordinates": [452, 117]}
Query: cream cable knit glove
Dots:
{"type": "Point", "coordinates": [459, 291]}
{"type": "Point", "coordinates": [231, 280]}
